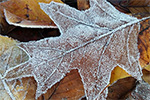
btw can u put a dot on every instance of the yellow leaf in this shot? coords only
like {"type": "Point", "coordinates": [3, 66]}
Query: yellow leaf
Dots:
{"type": "Point", "coordinates": [118, 73]}
{"type": "Point", "coordinates": [146, 76]}
{"type": "Point", "coordinates": [147, 67]}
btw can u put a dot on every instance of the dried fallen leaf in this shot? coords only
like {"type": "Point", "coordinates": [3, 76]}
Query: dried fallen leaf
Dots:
{"type": "Point", "coordinates": [3, 92]}
{"type": "Point", "coordinates": [10, 56]}
{"type": "Point", "coordinates": [141, 92]}
{"type": "Point", "coordinates": [120, 88]}
{"type": "Point", "coordinates": [94, 44]}
{"type": "Point", "coordinates": [83, 4]}
{"type": "Point", "coordinates": [23, 89]}
{"type": "Point", "coordinates": [70, 88]}
{"type": "Point", "coordinates": [147, 67]}
{"type": "Point", "coordinates": [4, 26]}
{"type": "Point", "coordinates": [139, 8]}
{"type": "Point", "coordinates": [144, 43]}
{"type": "Point", "coordinates": [117, 73]}
{"type": "Point", "coordinates": [137, 3]}
{"type": "Point", "coordinates": [146, 76]}
{"type": "Point", "coordinates": [119, 5]}
{"type": "Point", "coordinates": [27, 13]}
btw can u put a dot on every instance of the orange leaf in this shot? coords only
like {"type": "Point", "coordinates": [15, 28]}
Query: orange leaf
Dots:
{"type": "Point", "coordinates": [144, 43]}
{"type": "Point", "coordinates": [27, 13]}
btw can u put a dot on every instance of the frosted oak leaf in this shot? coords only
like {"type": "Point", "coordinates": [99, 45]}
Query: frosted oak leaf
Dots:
{"type": "Point", "coordinates": [93, 41]}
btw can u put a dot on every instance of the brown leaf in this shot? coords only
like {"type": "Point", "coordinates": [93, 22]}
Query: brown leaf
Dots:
{"type": "Point", "coordinates": [119, 89]}
{"type": "Point", "coordinates": [144, 43]}
{"type": "Point", "coordinates": [62, 94]}
{"type": "Point", "coordinates": [70, 88]}
{"type": "Point", "coordinates": [94, 44]}
{"type": "Point", "coordinates": [83, 4]}
{"type": "Point", "coordinates": [119, 5]}
{"type": "Point", "coordinates": [138, 7]}
{"type": "Point", "coordinates": [4, 26]}
{"type": "Point", "coordinates": [27, 13]}
{"type": "Point", "coordinates": [141, 92]}
{"type": "Point", "coordinates": [136, 3]}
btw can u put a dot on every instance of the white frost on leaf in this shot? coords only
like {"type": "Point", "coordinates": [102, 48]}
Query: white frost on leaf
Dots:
{"type": "Point", "coordinates": [10, 56]}
{"type": "Point", "coordinates": [141, 92]}
{"type": "Point", "coordinates": [93, 41]}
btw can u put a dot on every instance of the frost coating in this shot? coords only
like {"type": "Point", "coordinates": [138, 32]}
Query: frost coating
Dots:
{"type": "Point", "coordinates": [94, 44]}
{"type": "Point", "coordinates": [8, 59]}
{"type": "Point", "coordinates": [142, 91]}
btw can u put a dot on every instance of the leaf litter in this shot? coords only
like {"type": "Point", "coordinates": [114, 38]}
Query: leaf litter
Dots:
{"type": "Point", "coordinates": [94, 41]}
